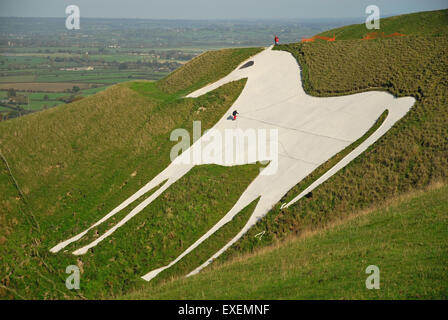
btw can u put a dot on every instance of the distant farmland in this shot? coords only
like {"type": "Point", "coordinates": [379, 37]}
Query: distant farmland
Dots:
{"type": "Point", "coordinates": [44, 86]}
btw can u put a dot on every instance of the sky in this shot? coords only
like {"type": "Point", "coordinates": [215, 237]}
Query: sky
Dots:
{"type": "Point", "coordinates": [214, 9]}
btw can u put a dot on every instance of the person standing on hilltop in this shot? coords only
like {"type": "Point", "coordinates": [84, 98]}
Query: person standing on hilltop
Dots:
{"type": "Point", "coordinates": [276, 40]}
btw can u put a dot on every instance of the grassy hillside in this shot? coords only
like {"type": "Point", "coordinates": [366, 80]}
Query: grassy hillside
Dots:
{"type": "Point", "coordinates": [64, 168]}
{"type": "Point", "coordinates": [413, 154]}
{"type": "Point", "coordinates": [406, 240]}
{"type": "Point", "coordinates": [204, 69]}
{"type": "Point", "coordinates": [430, 23]}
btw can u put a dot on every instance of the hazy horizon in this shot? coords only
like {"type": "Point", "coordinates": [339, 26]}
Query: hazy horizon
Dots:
{"type": "Point", "coordinates": [214, 10]}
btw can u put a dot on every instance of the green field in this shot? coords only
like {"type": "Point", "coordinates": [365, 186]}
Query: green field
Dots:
{"type": "Point", "coordinates": [407, 240]}
{"type": "Point", "coordinates": [43, 100]}
{"type": "Point", "coordinates": [37, 65]}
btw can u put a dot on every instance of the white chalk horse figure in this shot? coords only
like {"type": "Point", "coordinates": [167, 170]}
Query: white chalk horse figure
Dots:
{"type": "Point", "coordinates": [310, 131]}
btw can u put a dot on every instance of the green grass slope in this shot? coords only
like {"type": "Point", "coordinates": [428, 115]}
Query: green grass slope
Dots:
{"type": "Point", "coordinates": [412, 155]}
{"type": "Point", "coordinates": [429, 23]}
{"type": "Point", "coordinates": [204, 69]}
{"type": "Point", "coordinates": [406, 240]}
{"type": "Point", "coordinates": [64, 168]}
